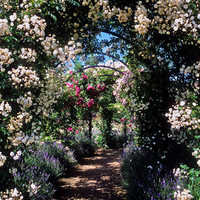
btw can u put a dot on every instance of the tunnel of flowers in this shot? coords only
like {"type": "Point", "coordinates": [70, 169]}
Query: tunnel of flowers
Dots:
{"type": "Point", "coordinates": [78, 75]}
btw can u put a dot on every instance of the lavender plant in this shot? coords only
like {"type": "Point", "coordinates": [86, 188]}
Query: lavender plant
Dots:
{"type": "Point", "coordinates": [40, 166]}
{"type": "Point", "coordinates": [33, 182]}
{"type": "Point", "coordinates": [41, 158]}
{"type": "Point", "coordinates": [144, 177]}
{"type": "Point", "coordinates": [58, 150]}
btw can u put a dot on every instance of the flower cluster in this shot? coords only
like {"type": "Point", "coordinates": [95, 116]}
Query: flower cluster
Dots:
{"type": "Point", "coordinates": [13, 194]}
{"type": "Point", "coordinates": [141, 20]}
{"type": "Point", "coordinates": [123, 85]}
{"type": "Point", "coordinates": [179, 14]}
{"type": "Point", "coordinates": [185, 114]}
{"type": "Point", "coordinates": [50, 44]}
{"type": "Point", "coordinates": [95, 9]}
{"type": "Point", "coordinates": [23, 77]}
{"type": "Point", "coordinates": [5, 57]}
{"type": "Point", "coordinates": [192, 70]}
{"type": "Point", "coordinates": [49, 94]}
{"type": "Point", "coordinates": [5, 108]}
{"type": "Point", "coordinates": [95, 91]}
{"type": "Point", "coordinates": [169, 17]}
{"type": "Point", "coordinates": [34, 26]}
{"type": "Point", "coordinates": [4, 27]}
{"type": "Point", "coordinates": [2, 159]}
{"type": "Point", "coordinates": [17, 122]}
{"type": "Point", "coordinates": [124, 15]}
{"type": "Point", "coordinates": [182, 117]}
{"type": "Point", "coordinates": [183, 195]}
{"type": "Point", "coordinates": [13, 17]}
{"type": "Point", "coordinates": [196, 153]}
{"type": "Point", "coordinates": [33, 189]}
{"type": "Point", "coordinates": [26, 102]}
{"type": "Point", "coordinates": [90, 103]}
{"type": "Point", "coordinates": [15, 156]}
{"type": "Point", "coordinates": [29, 178]}
{"type": "Point", "coordinates": [102, 6]}
{"type": "Point", "coordinates": [52, 48]}
{"type": "Point", "coordinates": [75, 91]}
{"type": "Point", "coordinates": [12, 170]}
{"type": "Point", "coordinates": [22, 138]}
{"type": "Point", "coordinates": [184, 122]}
{"type": "Point", "coordinates": [124, 92]}
{"type": "Point", "coordinates": [28, 54]}
{"type": "Point", "coordinates": [180, 173]}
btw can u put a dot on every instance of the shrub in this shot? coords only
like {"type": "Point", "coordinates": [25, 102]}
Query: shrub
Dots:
{"type": "Point", "coordinates": [119, 140]}
{"type": "Point", "coordinates": [101, 141]}
{"type": "Point", "coordinates": [82, 145]}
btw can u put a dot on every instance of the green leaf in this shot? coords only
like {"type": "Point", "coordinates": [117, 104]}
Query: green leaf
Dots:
{"type": "Point", "coordinates": [53, 17]}
{"type": "Point", "coordinates": [57, 8]}
{"type": "Point", "coordinates": [75, 3]}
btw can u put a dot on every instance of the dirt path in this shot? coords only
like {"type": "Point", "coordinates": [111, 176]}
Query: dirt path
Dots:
{"type": "Point", "coordinates": [96, 177]}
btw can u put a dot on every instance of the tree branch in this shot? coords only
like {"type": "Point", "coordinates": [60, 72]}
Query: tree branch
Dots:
{"type": "Point", "coordinates": [106, 55]}
{"type": "Point", "coordinates": [94, 67]}
{"type": "Point", "coordinates": [117, 35]}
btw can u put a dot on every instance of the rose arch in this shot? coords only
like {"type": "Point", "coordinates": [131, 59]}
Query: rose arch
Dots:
{"type": "Point", "coordinates": [89, 115]}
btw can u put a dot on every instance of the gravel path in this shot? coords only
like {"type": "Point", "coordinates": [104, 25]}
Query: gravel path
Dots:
{"type": "Point", "coordinates": [96, 177]}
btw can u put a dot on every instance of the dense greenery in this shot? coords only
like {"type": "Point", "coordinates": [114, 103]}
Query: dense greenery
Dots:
{"type": "Point", "coordinates": [54, 79]}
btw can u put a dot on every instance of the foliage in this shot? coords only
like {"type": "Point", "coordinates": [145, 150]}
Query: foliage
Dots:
{"type": "Point", "coordinates": [29, 86]}
{"type": "Point", "coordinates": [81, 145]}
{"type": "Point", "coordinates": [192, 180]}
{"type": "Point", "coordinates": [120, 139]}
{"type": "Point", "coordinates": [99, 140]}
{"type": "Point", "coordinates": [107, 116]}
{"type": "Point", "coordinates": [192, 174]}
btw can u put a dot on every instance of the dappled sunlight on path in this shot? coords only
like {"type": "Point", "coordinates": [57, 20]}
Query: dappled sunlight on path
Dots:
{"type": "Point", "coordinates": [96, 177]}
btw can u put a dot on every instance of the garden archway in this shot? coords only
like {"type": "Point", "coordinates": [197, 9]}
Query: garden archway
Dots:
{"type": "Point", "coordinates": [89, 115]}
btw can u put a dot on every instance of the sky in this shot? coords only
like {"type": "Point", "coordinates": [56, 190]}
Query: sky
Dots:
{"type": "Point", "coordinates": [102, 36]}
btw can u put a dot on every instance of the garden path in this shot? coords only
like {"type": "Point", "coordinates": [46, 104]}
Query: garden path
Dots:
{"type": "Point", "coordinates": [96, 178]}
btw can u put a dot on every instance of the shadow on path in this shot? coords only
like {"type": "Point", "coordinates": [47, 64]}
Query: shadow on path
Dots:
{"type": "Point", "coordinates": [96, 178]}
